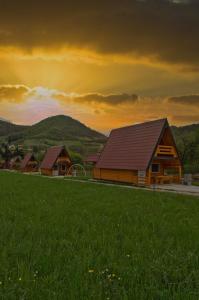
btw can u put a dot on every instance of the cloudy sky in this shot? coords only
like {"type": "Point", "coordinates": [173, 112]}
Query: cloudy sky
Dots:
{"type": "Point", "coordinates": [107, 63]}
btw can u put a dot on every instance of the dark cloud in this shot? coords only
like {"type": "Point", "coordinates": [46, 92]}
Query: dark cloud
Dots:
{"type": "Point", "coordinates": [111, 99]}
{"type": "Point", "coordinates": [185, 100]}
{"type": "Point", "coordinates": [12, 93]}
{"type": "Point", "coordinates": [158, 29]}
{"type": "Point", "coordinates": [19, 93]}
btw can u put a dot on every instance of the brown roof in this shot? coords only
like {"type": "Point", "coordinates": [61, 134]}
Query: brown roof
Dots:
{"type": "Point", "coordinates": [132, 147]}
{"type": "Point", "coordinates": [26, 160]}
{"type": "Point", "coordinates": [93, 158]}
{"type": "Point", "coordinates": [51, 156]}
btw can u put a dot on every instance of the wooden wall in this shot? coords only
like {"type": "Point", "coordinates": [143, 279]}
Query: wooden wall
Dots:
{"type": "Point", "coordinates": [128, 176]}
{"type": "Point", "coordinates": [29, 169]}
{"type": "Point", "coordinates": [46, 172]}
{"type": "Point", "coordinates": [167, 164]}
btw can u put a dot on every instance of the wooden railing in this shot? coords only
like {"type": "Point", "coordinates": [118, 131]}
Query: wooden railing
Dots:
{"type": "Point", "coordinates": [63, 159]}
{"type": "Point", "coordinates": [165, 179]}
{"type": "Point", "coordinates": [165, 150]}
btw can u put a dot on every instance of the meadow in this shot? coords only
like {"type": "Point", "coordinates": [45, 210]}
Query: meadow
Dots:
{"type": "Point", "coordinates": [70, 240]}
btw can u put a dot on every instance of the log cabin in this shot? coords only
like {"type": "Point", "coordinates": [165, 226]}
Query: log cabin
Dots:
{"type": "Point", "coordinates": [142, 154]}
{"type": "Point", "coordinates": [15, 163]}
{"type": "Point", "coordinates": [29, 163]}
{"type": "Point", "coordinates": [56, 162]}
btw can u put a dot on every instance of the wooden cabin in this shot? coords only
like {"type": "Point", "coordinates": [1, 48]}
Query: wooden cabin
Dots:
{"type": "Point", "coordinates": [141, 154]}
{"type": "Point", "coordinates": [56, 162]}
{"type": "Point", "coordinates": [29, 163]}
{"type": "Point", "coordinates": [15, 163]}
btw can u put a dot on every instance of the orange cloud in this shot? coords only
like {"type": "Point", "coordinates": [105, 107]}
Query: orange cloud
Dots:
{"type": "Point", "coordinates": [13, 93]}
{"type": "Point", "coordinates": [100, 111]}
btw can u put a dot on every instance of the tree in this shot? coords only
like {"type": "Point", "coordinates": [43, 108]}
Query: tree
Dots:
{"type": "Point", "coordinates": [7, 153]}
{"type": "Point", "coordinates": [76, 158]}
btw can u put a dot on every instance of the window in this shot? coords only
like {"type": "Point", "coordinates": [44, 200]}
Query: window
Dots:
{"type": "Point", "coordinates": [155, 168]}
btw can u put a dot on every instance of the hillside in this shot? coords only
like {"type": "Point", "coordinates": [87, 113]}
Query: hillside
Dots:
{"type": "Point", "coordinates": [7, 128]}
{"type": "Point", "coordinates": [60, 127]}
{"type": "Point", "coordinates": [187, 139]}
{"type": "Point", "coordinates": [186, 130]}
{"type": "Point", "coordinates": [52, 131]}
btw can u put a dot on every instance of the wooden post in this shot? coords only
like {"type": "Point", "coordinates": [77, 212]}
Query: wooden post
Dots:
{"type": "Point", "coordinates": [180, 173]}
{"type": "Point", "coordinates": [149, 176]}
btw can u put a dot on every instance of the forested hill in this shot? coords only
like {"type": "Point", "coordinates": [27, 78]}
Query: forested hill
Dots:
{"type": "Point", "coordinates": [53, 131]}
{"type": "Point", "coordinates": [187, 139]}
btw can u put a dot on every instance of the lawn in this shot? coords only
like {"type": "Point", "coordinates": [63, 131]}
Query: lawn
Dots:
{"type": "Point", "coordinates": [69, 240]}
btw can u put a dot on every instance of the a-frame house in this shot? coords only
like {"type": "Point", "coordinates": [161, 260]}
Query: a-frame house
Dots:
{"type": "Point", "coordinates": [29, 163]}
{"type": "Point", "coordinates": [56, 162]}
{"type": "Point", "coordinates": [142, 154]}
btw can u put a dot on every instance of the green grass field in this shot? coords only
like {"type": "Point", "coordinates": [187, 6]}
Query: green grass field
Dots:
{"type": "Point", "coordinates": [69, 240]}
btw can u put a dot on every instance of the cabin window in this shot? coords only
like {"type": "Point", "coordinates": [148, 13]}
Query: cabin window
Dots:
{"type": "Point", "coordinates": [155, 168]}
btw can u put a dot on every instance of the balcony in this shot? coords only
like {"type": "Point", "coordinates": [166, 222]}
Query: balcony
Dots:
{"type": "Point", "coordinates": [163, 150]}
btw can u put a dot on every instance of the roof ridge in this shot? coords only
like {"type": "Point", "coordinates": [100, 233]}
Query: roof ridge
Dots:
{"type": "Point", "coordinates": [140, 124]}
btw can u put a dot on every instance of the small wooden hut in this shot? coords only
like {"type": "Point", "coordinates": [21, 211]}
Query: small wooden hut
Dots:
{"type": "Point", "coordinates": [141, 154]}
{"type": "Point", "coordinates": [56, 162]}
{"type": "Point", "coordinates": [29, 163]}
{"type": "Point", "coordinates": [15, 163]}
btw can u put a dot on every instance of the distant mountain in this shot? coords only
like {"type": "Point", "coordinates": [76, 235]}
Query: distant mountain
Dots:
{"type": "Point", "coordinates": [7, 128]}
{"type": "Point", "coordinates": [3, 119]}
{"type": "Point", "coordinates": [186, 130]}
{"type": "Point", "coordinates": [61, 127]}
{"type": "Point", "coordinates": [53, 131]}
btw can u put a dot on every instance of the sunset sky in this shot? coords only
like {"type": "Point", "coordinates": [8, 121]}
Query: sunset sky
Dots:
{"type": "Point", "coordinates": [106, 63]}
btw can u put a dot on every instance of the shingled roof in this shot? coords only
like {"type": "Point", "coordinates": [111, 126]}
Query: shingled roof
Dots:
{"type": "Point", "coordinates": [132, 147]}
{"type": "Point", "coordinates": [51, 156]}
{"type": "Point", "coordinates": [26, 160]}
{"type": "Point", "coordinates": [93, 158]}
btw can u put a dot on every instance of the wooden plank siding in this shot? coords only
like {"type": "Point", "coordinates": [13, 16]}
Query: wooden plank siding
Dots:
{"type": "Point", "coordinates": [47, 172]}
{"type": "Point", "coordinates": [127, 176]}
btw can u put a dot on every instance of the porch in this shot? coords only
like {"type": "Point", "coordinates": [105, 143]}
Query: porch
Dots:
{"type": "Point", "coordinates": [165, 169]}
{"type": "Point", "coordinates": [61, 167]}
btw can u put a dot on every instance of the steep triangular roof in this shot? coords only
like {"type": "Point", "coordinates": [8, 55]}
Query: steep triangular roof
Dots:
{"type": "Point", "coordinates": [26, 160]}
{"type": "Point", "coordinates": [132, 147]}
{"type": "Point", "coordinates": [51, 156]}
